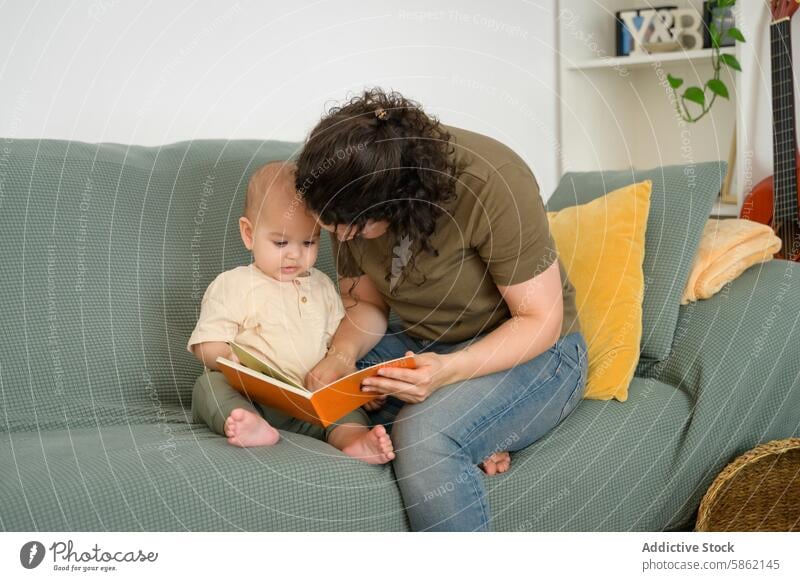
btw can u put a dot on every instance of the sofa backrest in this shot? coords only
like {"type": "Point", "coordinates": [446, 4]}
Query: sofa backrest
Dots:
{"type": "Point", "coordinates": [680, 202]}
{"type": "Point", "coordinates": [107, 250]}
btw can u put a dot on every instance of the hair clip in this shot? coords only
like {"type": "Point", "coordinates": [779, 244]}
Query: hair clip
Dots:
{"type": "Point", "coordinates": [381, 113]}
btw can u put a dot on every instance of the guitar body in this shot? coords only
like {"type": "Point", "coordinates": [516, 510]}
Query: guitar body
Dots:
{"type": "Point", "coordinates": [759, 205]}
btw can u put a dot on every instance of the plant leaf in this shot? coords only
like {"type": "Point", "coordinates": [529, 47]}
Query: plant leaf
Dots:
{"type": "Point", "coordinates": [718, 87]}
{"type": "Point", "coordinates": [674, 82]}
{"type": "Point", "coordinates": [735, 34]}
{"type": "Point", "coordinates": [731, 61]}
{"type": "Point", "coordinates": [696, 95]}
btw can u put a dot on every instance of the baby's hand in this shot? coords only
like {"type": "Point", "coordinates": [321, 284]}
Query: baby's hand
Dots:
{"type": "Point", "coordinates": [328, 370]}
{"type": "Point", "coordinates": [375, 404]}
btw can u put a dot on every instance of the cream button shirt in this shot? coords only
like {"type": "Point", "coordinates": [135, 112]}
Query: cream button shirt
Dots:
{"type": "Point", "coordinates": [289, 324]}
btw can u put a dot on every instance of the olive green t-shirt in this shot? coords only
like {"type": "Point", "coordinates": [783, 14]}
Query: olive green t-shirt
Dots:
{"type": "Point", "coordinates": [497, 233]}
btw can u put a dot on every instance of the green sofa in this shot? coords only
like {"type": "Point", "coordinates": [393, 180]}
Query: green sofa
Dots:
{"type": "Point", "coordinates": [107, 250]}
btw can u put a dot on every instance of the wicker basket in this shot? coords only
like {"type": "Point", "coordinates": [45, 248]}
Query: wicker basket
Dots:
{"type": "Point", "coordinates": [759, 491]}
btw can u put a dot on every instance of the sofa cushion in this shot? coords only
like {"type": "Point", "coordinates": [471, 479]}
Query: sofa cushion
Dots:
{"type": "Point", "coordinates": [680, 203]}
{"type": "Point", "coordinates": [586, 474]}
{"type": "Point", "coordinates": [107, 250]}
{"type": "Point", "coordinates": [601, 244]}
{"type": "Point", "coordinates": [606, 467]}
{"type": "Point", "coordinates": [181, 477]}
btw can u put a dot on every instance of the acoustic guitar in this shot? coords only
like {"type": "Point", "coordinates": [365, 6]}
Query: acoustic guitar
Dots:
{"type": "Point", "coordinates": [774, 200]}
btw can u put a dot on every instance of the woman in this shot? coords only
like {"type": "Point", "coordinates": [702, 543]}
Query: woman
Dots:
{"type": "Point", "coordinates": [446, 228]}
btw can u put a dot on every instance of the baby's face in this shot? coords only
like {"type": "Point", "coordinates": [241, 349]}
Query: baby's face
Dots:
{"type": "Point", "coordinates": [285, 248]}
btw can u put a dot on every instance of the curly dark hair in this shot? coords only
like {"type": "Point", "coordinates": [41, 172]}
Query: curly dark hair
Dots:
{"type": "Point", "coordinates": [379, 157]}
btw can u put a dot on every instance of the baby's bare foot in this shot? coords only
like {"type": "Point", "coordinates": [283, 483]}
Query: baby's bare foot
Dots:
{"type": "Point", "coordinates": [497, 463]}
{"type": "Point", "coordinates": [374, 447]}
{"type": "Point", "coordinates": [246, 429]}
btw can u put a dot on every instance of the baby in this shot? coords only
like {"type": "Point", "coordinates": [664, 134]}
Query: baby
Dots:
{"type": "Point", "coordinates": [281, 308]}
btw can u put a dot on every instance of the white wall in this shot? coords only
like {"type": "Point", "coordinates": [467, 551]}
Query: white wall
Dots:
{"type": "Point", "coordinates": [130, 72]}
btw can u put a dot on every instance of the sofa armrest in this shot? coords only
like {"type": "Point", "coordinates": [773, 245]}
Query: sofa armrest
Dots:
{"type": "Point", "coordinates": [737, 357]}
{"type": "Point", "coordinates": [745, 337]}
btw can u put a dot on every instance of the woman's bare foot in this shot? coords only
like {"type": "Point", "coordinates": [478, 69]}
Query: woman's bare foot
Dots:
{"type": "Point", "coordinates": [373, 447]}
{"type": "Point", "coordinates": [497, 463]}
{"type": "Point", "coordinates": [246, 429]}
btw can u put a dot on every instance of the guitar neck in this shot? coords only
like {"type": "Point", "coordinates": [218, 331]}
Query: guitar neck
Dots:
{"type": "Point", "coordinates": [784, 143]}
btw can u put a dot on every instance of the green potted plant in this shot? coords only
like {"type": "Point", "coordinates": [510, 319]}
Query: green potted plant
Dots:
{"type": "Point", "coordinates": [714, 87]}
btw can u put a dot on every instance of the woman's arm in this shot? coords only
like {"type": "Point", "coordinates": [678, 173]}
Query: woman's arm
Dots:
{"type": "Point", "coordinates": [537, 311]}
{"type": "Point", "coordinates": [364, 324]}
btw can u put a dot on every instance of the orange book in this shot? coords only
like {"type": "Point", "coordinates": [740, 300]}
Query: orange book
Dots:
{"type": "Point", "coordinates": [325, 406]}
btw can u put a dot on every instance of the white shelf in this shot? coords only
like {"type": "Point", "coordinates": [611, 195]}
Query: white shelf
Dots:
{"type": "Point", "coordinates": [644, 60]}
{"type": "Point", "coordinates": [618, 112]}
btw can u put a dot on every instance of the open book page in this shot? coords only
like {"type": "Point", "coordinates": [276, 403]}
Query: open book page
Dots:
{"type": "Point", "coordinates": [248, 359]}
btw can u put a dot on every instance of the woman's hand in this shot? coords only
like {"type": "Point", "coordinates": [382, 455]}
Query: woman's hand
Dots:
{"type": "Point", "coordinates": [328, 370]}
{"type": "Point", "coordinates": [410, 385]}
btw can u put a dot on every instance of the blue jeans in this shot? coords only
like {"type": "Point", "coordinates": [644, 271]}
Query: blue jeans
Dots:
{"type": "Point", "coordinates": [440, 441]}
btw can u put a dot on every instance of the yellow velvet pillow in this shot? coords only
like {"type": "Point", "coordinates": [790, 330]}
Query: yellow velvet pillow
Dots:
{"type": "Point", "coordinates": [601, 245]}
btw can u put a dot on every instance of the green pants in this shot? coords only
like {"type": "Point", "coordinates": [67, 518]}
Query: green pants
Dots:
{"type": "Point", "coordinates": [213, 399]}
